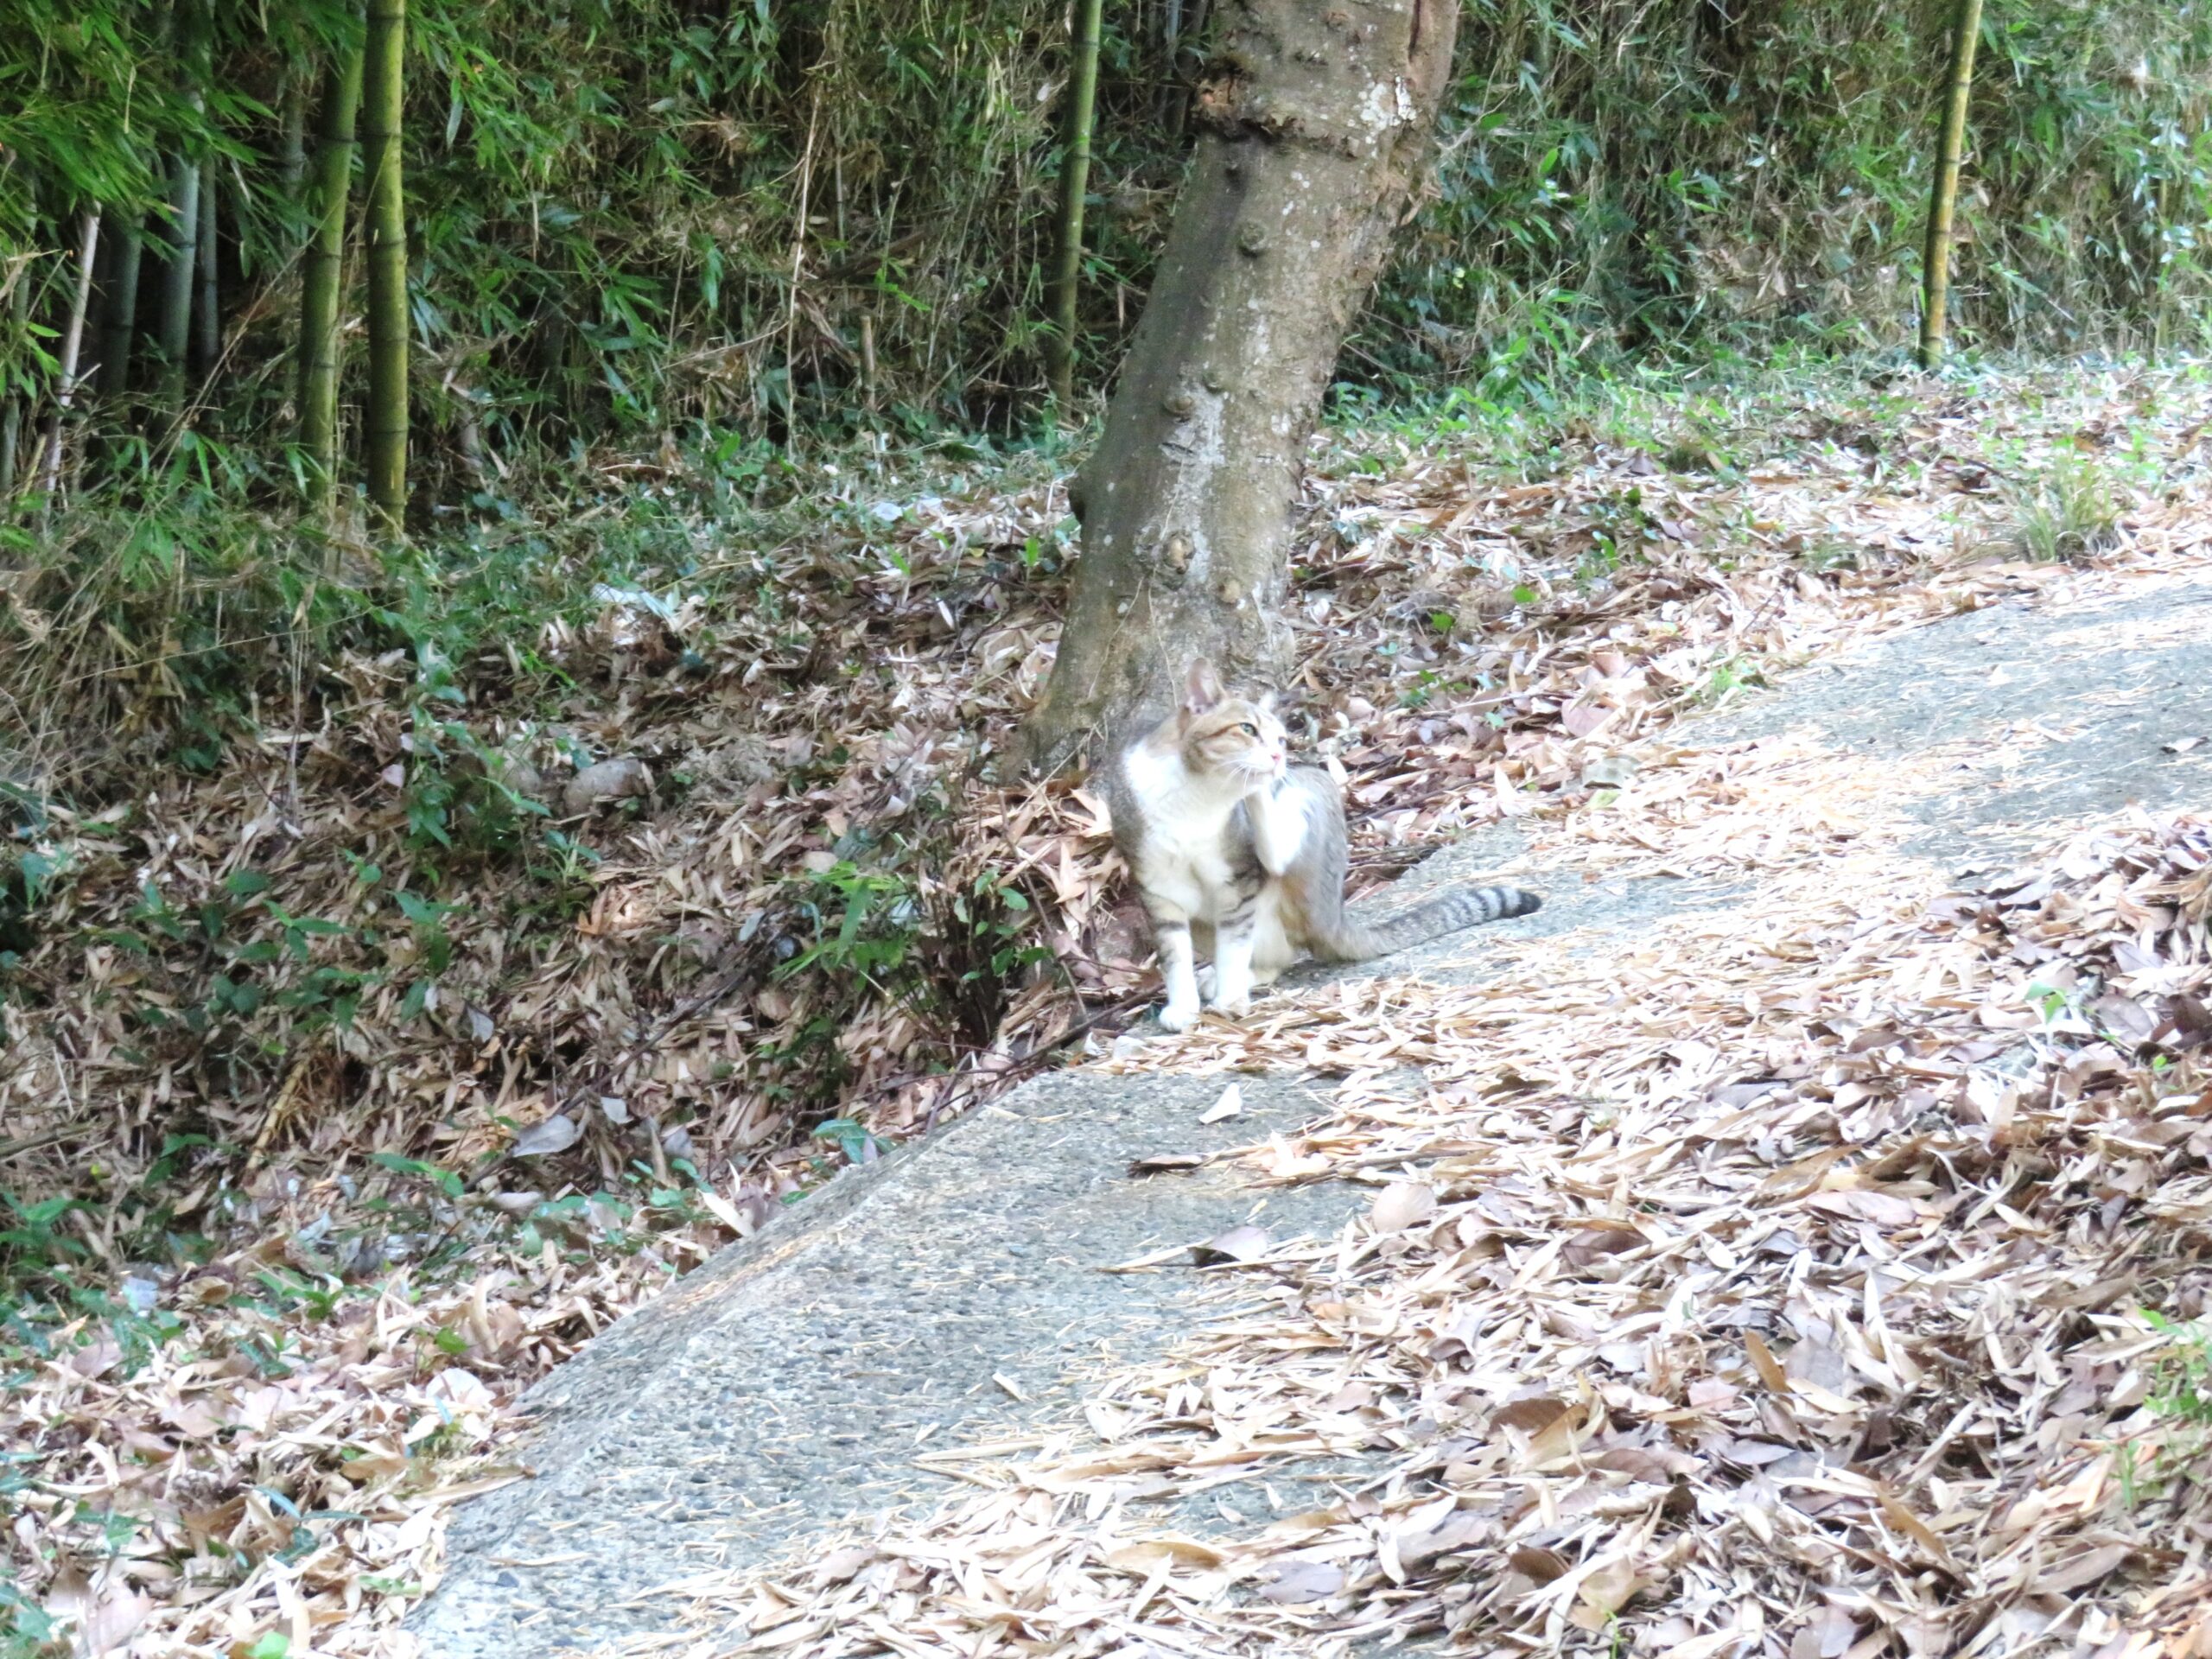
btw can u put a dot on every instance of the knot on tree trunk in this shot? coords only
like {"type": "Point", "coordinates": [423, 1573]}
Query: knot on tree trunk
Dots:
{"type": "Point", "coordinates": [1347, 79]}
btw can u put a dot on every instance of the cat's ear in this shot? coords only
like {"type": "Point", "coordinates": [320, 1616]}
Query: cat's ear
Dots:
{"type": "Point", "coordinates": [1268, 702]}
{"type": "Point", "coordinates": [1201, 687]}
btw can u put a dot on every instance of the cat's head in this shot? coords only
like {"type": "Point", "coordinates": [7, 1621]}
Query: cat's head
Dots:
{"type": "Point", "coordinates": [1228, 736]}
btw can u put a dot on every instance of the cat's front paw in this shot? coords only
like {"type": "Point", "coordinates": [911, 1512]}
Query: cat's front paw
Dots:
{"type": "Point", "coordinates": [1178, 1016]}
{"type": "Point", "coordinates": [1234, 1007]}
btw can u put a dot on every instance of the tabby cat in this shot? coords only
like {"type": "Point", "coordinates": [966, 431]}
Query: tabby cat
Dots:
{"type": "Point", "coordinates": [1229, 842]}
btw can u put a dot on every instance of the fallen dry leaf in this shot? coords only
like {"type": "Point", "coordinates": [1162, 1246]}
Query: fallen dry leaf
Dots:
{"type": "Point", "coordinates": [1403, 1204]}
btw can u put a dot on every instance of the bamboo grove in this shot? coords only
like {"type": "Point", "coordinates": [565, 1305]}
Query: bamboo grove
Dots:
{"type": "Point", "coordinates": [425, 254]}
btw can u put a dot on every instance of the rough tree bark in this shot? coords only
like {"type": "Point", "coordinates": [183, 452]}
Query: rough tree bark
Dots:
{"type": "Point", "coordinates": [1316, 121]}
{"type": "Point", "coordinates": [1950, 152]}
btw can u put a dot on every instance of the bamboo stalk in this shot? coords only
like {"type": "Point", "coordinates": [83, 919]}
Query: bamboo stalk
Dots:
{"type": "Point", "coordinates": [175, 324]}
{"type": "Point", "coordinates": [1170, 41]}
{"type": "Point", "coordinates": [119, 332]}
{"type": "Point", "coordinates": [18, 304]}
{"type": "Point", "coordinates": [122, 321]}
{"type": "Point", "coordinates": [1075, 179]}
{"type": "Point", "coordinates": [1194, 29]}
{"type": "Point", "coordinates": [208, 315]}
{"type": "Point", "coordinates": [175, 328]}
{"type": "Point", "coordinates": [798, 268]}
{"type": "Point", "coordinates": [320, 288]}
{"type": "Point", "coordinates": [1936, 262]}
{"type": "Point", "coordinates": [73, 340]}
{"type": "Point", "coordinates": [292, 149]}
{"type": "Point", "coordinates": [15, 277]}
{"type": "Point", "coordinates": [12, 416]}
{"type": "Point", "coordinates": [382, 91]}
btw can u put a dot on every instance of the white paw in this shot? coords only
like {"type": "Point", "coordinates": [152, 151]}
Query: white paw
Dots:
{"type": "Point", "coordinates": [1205, 984]}
{"type": "Point", "coordinates": [1178, 1016]}
{"type": "Point", "coordinates": [1234, 993]}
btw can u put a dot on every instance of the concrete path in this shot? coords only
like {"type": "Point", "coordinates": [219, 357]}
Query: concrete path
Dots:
{"type": "Point", "coordinates": [954, 1293]}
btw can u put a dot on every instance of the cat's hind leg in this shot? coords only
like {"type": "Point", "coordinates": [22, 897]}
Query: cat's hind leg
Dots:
{"type": "Point", "coordinates": [1273, 951]}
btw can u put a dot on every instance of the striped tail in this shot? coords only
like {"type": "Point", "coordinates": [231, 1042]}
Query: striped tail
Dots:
{"type": "Point", "coordinates": [1350, 941]}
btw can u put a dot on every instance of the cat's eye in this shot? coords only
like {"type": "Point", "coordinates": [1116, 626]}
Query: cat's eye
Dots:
{"type": "Point", "coordinates": [1248, 729]}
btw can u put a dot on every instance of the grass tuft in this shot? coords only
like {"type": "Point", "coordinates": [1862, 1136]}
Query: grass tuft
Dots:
{"type": "Point", "coordinates": [2067, 514]}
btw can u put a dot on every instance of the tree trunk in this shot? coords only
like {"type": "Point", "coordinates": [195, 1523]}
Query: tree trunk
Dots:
{"type": "Point", "coordinates": [1075, 179]}
{"type": "Point", "coordinates": [382, 94]}
{"type": "Point", "coordinates": [1317, 123]}
{"type": "Point", "coordinates": [1935, 261]}
{"type": "Point", "coordinates": [73, 340]}
{"type": "Point", "coordinates": [320, 289]}
{"type": "Point", "coordinates": [207, 316]}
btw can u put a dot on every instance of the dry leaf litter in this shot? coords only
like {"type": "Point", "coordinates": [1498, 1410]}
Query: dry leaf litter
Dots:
{"type": "Point", "coordinates": [274, 1452]}
{"type": "Point", "coordinates": [1771, 1286]}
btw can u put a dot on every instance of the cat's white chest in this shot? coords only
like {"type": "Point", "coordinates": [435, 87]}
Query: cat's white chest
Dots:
{"type": "Point", "coordinates": [1200, 881]}
{"type": "Point", "coordinates": [1185, 836]}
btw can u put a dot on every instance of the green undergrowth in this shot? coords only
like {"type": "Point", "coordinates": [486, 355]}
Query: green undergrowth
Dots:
{"type": "Point", "coordinates": [188, 617]}
{"type": "Point", "coordinates": [626, 215]}
{"type": "Point", "coordinates": [1718, 416]}
{"type": "Point", "coordinates": [181, 614]}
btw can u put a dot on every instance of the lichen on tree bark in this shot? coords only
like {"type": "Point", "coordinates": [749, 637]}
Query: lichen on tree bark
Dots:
{"type": "Point", "coordinates": [1316, 122]}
